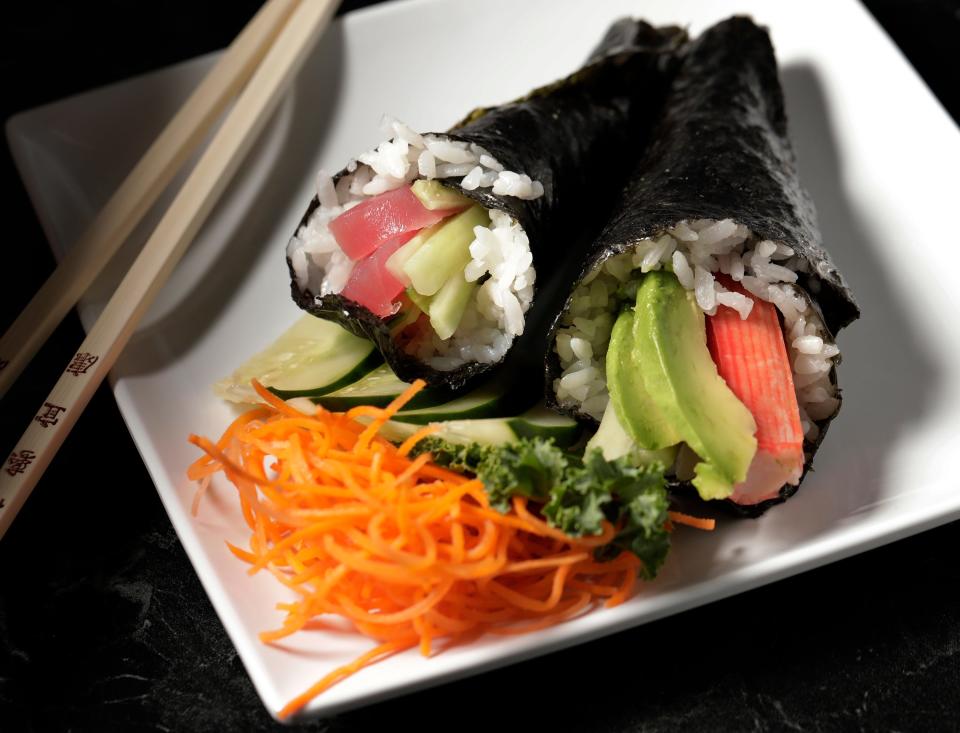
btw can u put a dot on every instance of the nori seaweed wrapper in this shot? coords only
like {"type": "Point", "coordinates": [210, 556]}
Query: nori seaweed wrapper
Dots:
{"type": "Point", "coordinates": [721, 151]}
{"type": "Point", "coordinates": [579, 137]}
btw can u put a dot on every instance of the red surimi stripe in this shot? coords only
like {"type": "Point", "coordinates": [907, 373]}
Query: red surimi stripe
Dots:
{"type": "Point", "coordinates": [752, 359]}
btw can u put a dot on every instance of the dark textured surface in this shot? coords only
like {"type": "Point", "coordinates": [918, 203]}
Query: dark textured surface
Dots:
{"type": "Point", "coordinates": [105, 627]}
{"type": "Point", "coordinates": [722, 151]}
{"type": "Point", "coordinates": [577, 137]}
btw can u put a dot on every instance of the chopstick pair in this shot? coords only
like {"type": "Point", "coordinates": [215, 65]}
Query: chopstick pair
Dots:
{"type": "Point", "coordinates": [265, 57]}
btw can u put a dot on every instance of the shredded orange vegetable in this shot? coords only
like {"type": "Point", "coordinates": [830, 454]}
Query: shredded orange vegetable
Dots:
{"type": "Point", "coordinates": [408, 551]}
{"type": "Point", "coordinates": [691, 521]}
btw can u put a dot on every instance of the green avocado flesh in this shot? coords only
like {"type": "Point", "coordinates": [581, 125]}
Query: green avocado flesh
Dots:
{"type": "Point", "coordinates": [670, 351]}
{"type": "Point", "coordinates": [634, 408]}
{"type": "Point", "coordinates": [614, 442]}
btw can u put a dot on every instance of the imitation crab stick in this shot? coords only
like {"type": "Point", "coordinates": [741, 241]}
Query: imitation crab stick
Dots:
{"type": "Point", "coordinates": [751, 356]}
{"type": "Point", "coordinates": [407, 551]}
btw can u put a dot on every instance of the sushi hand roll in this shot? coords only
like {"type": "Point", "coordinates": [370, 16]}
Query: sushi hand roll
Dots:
{"type": "Point", "coordinates": [436, 246]}
{"type": "Point", "coordinates": [700, 332]}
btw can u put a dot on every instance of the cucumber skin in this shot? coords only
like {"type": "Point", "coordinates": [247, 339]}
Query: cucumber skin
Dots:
{"type": "Point", "coordinates": [428, 397]}
{"type": "Point", "coordinates": [563, 436]}
{"type": "Point", "coordinates": [483, 410]}
{"type": "Point", "coordinates": [370, 362]}
{"type": "Point", "coordinates": [509, 430]}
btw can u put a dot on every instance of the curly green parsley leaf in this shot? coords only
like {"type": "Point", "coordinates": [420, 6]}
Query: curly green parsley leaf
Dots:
{"type": "Point", "coordinates": [635, 497]}
{"type": "Point", "coordinates": [577, 494]}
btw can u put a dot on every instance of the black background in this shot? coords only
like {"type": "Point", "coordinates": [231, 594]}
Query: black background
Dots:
{"type": "Point", "coordinates": [104, 625]}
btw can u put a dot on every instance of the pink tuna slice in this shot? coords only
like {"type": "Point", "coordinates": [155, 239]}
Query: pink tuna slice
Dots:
{"type": "Point", "coordinates": [381, 219]}
{"type": "Point", "coordinates": [371, 284]}
{"type": "Point", "coordinates": [751, 356]}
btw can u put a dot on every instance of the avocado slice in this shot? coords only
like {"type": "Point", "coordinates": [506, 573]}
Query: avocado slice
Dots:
{"type": "Point", "coordinates": [636, 411]}
{"type": "Point", "coordinates": [670, 348]}
{"type": "Point", "coordinates": [614, 442]}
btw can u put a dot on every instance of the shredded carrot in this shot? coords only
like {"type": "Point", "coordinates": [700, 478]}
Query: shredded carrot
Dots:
{"type": "Point", "coordinates": [691, 521]}
{"type": "Point", "coordinates": [409, 552]}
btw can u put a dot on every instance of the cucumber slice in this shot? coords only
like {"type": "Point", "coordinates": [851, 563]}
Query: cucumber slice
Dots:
{"type": "Point", "coordinates": [379, 388]}
{"type": "Point", "coordinates": [482, 402]}
{"type": "Point", "coordinates": [489, 431]}
{"type": "Point", "coordinates": [434, 195]}
{"type": "Point", "coordinates": [446, 253]}
{"type": "Point", "coordinates": [398, 259]}
{"type": "Point", "coordinates": [541, 422]}
{"type": "Point", "coordinates": [538, 422]}
{"type": "Point", "coordinates": [310, 358]}
{"type": "Point", "coordinates": [421, 301]}
{"type": "Point", "coordinates": [407, 315]}
{"type": "Point", "coordinates": [449, 304]}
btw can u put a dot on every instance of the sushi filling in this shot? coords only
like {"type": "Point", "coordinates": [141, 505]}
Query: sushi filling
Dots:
{"type": "Point", "coordinates": [694, 251]}
{"type": "Point", "coordinates": [703, 255]}
{"type": "Point", "coordinates": [480, 309]}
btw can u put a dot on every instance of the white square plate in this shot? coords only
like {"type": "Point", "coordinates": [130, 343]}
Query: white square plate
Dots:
{"type": "Point", "coordinates": [879, 158]}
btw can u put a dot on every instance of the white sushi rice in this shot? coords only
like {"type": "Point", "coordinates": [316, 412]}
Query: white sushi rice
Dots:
{"type": "Point", "coordinates": [695, 250]}
{"type": "Point", "coordinates": [486, 331]}
{"type": "Point", "coordinates": [500, 252]}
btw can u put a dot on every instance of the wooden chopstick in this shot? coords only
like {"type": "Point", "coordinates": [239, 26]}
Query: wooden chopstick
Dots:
{"type": "Point", "coordinates": [138, 192]}
{"type": "Point", "coordinates": [176, 229]}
